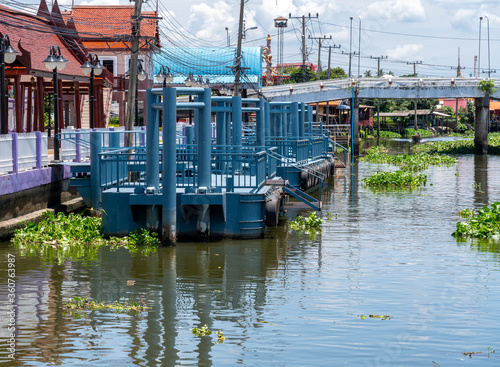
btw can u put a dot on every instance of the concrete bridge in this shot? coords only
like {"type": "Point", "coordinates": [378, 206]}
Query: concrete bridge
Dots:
{"type": "Point", "coordinates": [391, 88]}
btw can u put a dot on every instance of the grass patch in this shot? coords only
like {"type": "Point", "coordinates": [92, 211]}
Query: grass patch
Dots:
{"type": "Point", "coordinates": [76, 236]}
{"type": "Point", "coordinates": [482, 223]}
{"type": "Point", "coordinates": [395, 180]}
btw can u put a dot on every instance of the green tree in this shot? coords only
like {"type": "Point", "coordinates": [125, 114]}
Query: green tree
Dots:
{"type": "Point", "coordinates": [296, 75]}
{"type": "Point", "coordinates": [335, 73]}
{"type": "Point", "coordinates": [368, 74]}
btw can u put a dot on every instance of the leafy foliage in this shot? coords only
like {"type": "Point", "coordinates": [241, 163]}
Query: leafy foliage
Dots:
{"type": "Point", "coordinates": [389, 134]}
{"type": "Point", "coordinates": [395, 180]}
{"type": "Point", "coordinates": [201, 331]}
{"type": "Point", "coordinates": [487, 86]}
{"type": "Point", "coordinates": [408, 162]}
{"type": "Point", "coordinates": [80, 304]}
{"type": "Point", "coordinates": [311, 222]}
{"type": "Point", "coordinates": [75, 236]}
{"type": "Point", "coordinates": [423, 133]}
{"type": "Point", "coordinates": [482, 223]}
{"type": "Point", "coordinates": [459, 146]}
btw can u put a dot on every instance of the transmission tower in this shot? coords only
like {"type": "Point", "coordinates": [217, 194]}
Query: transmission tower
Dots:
{"type": "Point", "coordinates": [280, 23]}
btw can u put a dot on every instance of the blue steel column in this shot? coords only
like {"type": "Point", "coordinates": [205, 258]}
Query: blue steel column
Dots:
{"type": "Point", "coordinates": [169, 199]}
{"type": "Point", "coordinates": [267, 117]}
{"type": "Point", "coordinates": [152, 159]}
{"type": "Point", "coordinates": [204, 165]}
{"type": "Point", "coordinates": [237, 132]}
{"type": "Point", "coordinates": [204, 142]}
{"type": "Point", "coordinates": [302, 115]}
{"type": "Point", "coordinates": [114, 138]}
{"type": "Point", "coordinates": [261, 124]}
{"type": "Point", "coordinates": [95, 174]}
{"type": "Point", "coordinates": [220, 127]}
{"type": "Point", "coordinates": [152, 144]}
{"type": "Point", "coordinates": [189, 131]}
{"type": "Point", "coordinates": [295, 119]}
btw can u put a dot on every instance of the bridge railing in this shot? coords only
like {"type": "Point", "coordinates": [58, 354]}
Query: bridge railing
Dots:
{"type": "Point", "coordinates": [296, 150]}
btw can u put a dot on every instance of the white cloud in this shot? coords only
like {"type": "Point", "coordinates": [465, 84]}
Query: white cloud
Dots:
{"type": "Point", "coordinates": [208, 21]}
{"type": "Point", "coordinates": [406, 52]}
{"type": "Point", "coordinates": [400, 10]}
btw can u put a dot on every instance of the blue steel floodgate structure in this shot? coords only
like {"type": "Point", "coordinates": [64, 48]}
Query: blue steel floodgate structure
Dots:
{"type": "Point", "coordinates": [228, 179]}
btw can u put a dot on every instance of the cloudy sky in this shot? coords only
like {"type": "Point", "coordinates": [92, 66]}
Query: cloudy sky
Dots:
{"type": "Point", "coordinates": [430, 31]}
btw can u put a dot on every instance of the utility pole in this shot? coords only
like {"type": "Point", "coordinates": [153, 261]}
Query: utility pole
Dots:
{"type": "Point", "coordinates": [319, 50]}
{"type": "Point", "coordinates": [350, 49]}
{"type": "Point", "coordinates": [132, 74]}
{"type": "Point", "coordinates": [304, 54]}
{"type": "Point", "coordinates": [415, 63]}
{"type": "Point", "coordinates": [378, 63]}
{"type": "Point", "coordinates": [237, 69]}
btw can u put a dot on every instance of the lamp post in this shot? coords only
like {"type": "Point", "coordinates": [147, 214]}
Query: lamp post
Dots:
{"type": "Point", "coordinates": [359, 46]}
{"type": "Point", "coordinates": [479, 52]}
{"type": "Point", "coordinates": [141, 76]}
{"type": "Point", "coordinates": [488, 25]}
{"type": "Point", "coordinates": [248, 29]}
{"type": "Point", "coordinates": [54, 61]}
{"type": "Point", "coordinates": [7, 56]}
{"type": "Point", "coordinates": [228, 40]}
{"type": "Point", "coordinates": [93, 67]}
{"type": "Point", "coordinates": [164, 78]}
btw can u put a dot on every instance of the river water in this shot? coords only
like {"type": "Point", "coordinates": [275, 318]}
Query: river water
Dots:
{"type": "Point", "coordinates": [289, 299]}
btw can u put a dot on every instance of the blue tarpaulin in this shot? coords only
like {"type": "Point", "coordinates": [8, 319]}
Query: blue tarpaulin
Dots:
{"type": "Point", "coordinates": [213, 63]}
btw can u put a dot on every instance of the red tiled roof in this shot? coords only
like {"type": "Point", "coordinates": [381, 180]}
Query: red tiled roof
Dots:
{"type": "Point", "coordinates": [36, 36]}
{"type": "Point", "coordinates": [107, 22]}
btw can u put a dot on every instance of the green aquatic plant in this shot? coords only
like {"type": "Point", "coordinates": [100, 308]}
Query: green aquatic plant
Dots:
{"type": "Point", "coordinates": [75, 236]}
{"type": "Point", "coordinates": [395, 180]}
{"type": "Point", "coordinates": [382, 317]}
{"type": "Point", "coordinates": [408, 162]}
{"type": "Point", "coordinates": [201, 331]}
{"type": "Point", "coordinates": [220, 337]}
{"type": "Point", "coordinates": [423, 133]}
{"type": "Point", "coordinates": [465, 146]}
{"type": "Point", "coordinates": [389, 134]}
{"type": "Point", "coordinates": [81, 304]}
{"type": "Point", "coordinates": [311, 222]}
{"type": "Point", "coordinates": [481, 223]}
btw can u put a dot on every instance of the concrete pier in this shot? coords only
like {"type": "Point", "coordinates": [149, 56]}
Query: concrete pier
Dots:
{"type": "Point", "coordinates": [481, 124]}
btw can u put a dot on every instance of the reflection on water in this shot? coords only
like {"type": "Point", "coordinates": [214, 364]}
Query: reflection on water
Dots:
{"type": "Point", "coordinates": [288, 299]}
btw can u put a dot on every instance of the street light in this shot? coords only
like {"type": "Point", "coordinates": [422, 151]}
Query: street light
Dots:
{"type": "Point", "coordinates": [479, 52]}
{"type": "Point", "coordinates": [164, 78]}
{"type": "Point", "coordinates": [359, 46]}
{"type": "Point", "coordinates": [244, 36]}
{"type": "Point", "coordinates": [53, 62]}
{"type": "Point", "coordinates": [93, 67]}
{"type": "Point", "coordinates": [488, 24]}
{"type": "Point", "coordinates": [228, 40]}
{"type": "Point", "coordinates": [190, 81]}
{"type": "Point", "coordinates": [7, 55]}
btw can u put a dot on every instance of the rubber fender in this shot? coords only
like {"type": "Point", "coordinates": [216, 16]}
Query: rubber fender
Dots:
{"type": "Point", "coordinates": [272, 211]}
{"type": "Point", "coordinates": [304, 176]}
